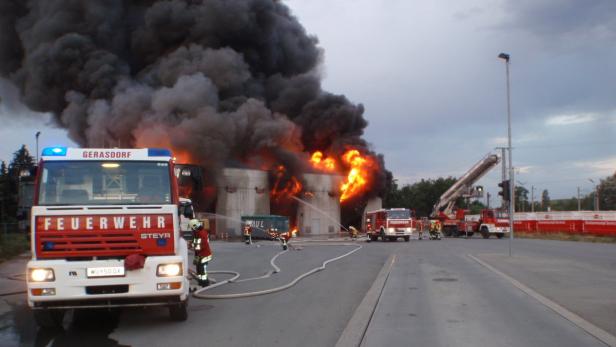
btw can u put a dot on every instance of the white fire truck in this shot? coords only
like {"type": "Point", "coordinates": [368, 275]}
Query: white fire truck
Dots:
{"type": "Point", "coordinates": [94, 209]}
{"type": "Point", "coordinates": [390, 224]}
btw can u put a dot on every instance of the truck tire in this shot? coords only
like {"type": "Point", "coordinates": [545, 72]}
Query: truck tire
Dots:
{"type": "Point", "coordinates": [49, 319]}
{"type": "Point", "coordinates": [484, 233]}
{"type": "Point", "coordinates": [179, 312]}
{"type": "Point", "coordinates": [407, 238]}
{"type": "Point", "coordinates": [500, 235]}
{"type": "Point", "coordinates": [470, 234]}
{"type": "Point", "coordinates": [393, 239]}
{"type": "Point", "coordinates": [449, 231]}
{"type": "Point", "coordinates": [374, 237]}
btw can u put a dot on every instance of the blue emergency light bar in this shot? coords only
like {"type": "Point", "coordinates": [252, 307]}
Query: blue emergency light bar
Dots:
{"type": "Point", "coordinates": [54, 152]}
{"type": "Point", "coordinates": [159, 152]}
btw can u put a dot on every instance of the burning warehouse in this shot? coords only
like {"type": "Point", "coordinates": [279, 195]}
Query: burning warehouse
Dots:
{"type": "Point", "coordinates": [216, 81]}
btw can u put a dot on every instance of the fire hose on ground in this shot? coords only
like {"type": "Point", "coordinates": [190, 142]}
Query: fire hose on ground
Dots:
{"type": "Point", "coordinates": [198, 294]}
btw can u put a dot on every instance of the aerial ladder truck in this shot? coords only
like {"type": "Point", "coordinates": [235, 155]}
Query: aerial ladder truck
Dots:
{"type": "Point", "coordinates": [453, 224]}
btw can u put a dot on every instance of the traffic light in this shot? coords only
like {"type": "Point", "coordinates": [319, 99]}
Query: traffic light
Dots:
{"type": "Point", "coordinates": [504, 193]}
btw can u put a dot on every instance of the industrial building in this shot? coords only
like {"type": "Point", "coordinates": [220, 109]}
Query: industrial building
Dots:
{"type": "Point", "coordinates": [240, 192]}
{"type": "Point", "coordinates": [318, 212]}
{"type": "Point", "coordinates": [243, 192]}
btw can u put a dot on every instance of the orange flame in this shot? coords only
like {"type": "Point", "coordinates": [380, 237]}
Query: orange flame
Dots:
{"type": "Point", "coordinates": [358, 176]}
{"type": "Point", "coordinates": [325, 164]}
{"type": "Point", "coordinates": [285, 188]}
{"type": "Point", "coordinates": [294, 232]}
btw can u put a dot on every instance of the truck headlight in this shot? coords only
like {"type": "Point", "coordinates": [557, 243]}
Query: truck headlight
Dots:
{"type": "Point", "coordinates": [41, 275]}
{"type": "Point", "coordinates": [169, 270]}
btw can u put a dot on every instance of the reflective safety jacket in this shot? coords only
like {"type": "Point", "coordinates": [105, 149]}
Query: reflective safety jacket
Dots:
{"type": "Point", "coordinates": [201, 244]}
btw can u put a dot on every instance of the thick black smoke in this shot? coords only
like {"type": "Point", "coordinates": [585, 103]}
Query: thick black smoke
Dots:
{"type": "Point", "coordinates": [223, 80]}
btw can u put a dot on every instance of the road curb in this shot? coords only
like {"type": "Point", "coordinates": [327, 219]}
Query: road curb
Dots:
{"type": "Point", "coordinates": [580, 322]}
{"type": "Point", "coordinates": [353, 334]}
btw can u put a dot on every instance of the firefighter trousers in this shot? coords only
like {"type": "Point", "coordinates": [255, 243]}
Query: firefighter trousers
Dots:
{"type": "Point", "coordinates": [201, 264]}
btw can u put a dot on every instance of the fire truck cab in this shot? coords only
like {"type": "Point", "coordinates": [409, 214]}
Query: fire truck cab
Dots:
{"type": "Point", "coordinates": [494, 222]}
{"type": "Point", "coordinates": [390, 224]}
{"type": "Point", "coordinates": [94, 209]}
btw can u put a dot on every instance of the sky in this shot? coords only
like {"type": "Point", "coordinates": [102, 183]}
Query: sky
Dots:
{"type": "Point", "coordinates": [434, 90]}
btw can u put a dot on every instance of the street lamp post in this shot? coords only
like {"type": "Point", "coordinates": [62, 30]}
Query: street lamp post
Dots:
{"type": "Point", "coordinates": [38, 133]}
{"type": "Point", "coordinates": [596, 199]}
{"type": "Point", "coordinates": [506, 57]}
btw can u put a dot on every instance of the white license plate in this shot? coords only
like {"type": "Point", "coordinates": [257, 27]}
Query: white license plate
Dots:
{"type": "Point", "coordinates": [110, 271]}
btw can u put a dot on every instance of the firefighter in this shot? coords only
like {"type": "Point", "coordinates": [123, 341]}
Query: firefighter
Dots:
{"type": "Point", "coordinates": [282, 237]}
{"type": "Point", "coordinates": [435, 230]}
{"type": "Point", "coordinates": [201, 246]}
{"type": "Point", "coordinates": [353, 232]}
{"type": "Point", "coordinates": [247, 234]}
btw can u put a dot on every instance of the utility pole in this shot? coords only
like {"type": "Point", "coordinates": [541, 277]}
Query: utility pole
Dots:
{"type": "Point", "coordinates": [578, 197]}
{"type": "Point", "coordinates": [532, 198]}
{"type": "Point", "coordinates": [488, 200]}
{"type": "Point", "coordinates": [596, 199]}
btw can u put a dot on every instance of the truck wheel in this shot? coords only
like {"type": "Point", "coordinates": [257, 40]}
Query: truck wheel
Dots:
{"type": "Point", "coordinates": [447, 231]}
{"type": "Point", "coordinates": [407, 238]}
{"type": "Point", "coordinates": [470, 234]}
{"type": "Point", "coordinates": [179, 312]}
{"type": "Point", "coordinates": [500, 235]}
{"type": "Point", "coordinates": [393, 239]}
{"type": "Point", "coordinates": [484, 233]}
{"type": "Point", "coordinates": [49, 319]}
{"type": "Point", "coordinates": [374, 237]}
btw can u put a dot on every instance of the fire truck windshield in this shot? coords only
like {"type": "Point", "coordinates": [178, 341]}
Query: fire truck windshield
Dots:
{"type": "Point", "coordinates": [104, 183]}
{"type": "Point", "coordinates": [399, 214]}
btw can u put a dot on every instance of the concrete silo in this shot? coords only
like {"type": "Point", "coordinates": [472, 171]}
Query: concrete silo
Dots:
{"type": "Point", "coordinates": [319, 214]}
{"type": "Point", "coordinates": [241, 192]}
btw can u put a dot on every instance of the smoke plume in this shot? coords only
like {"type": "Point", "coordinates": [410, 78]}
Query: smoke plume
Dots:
{"type": "Point", "coordinates": [215, 80]}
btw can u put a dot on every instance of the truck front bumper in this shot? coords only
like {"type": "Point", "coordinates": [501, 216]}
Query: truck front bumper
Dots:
{"type": "Point", "coordinates": [72, 288]}
{"type": "Point", "coordinates": [399, 231]}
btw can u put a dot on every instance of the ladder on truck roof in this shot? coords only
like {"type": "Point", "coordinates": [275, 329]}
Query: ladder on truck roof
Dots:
{"type": "Point", "coordinates": [464, 183]}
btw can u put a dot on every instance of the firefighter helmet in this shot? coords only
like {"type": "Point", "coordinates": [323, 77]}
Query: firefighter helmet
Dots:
{"type": "Point", "coordinates": [195, 224]}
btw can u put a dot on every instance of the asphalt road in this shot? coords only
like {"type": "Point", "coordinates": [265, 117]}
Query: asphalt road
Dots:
{"type": "Point", "coordinates": [435, 295]}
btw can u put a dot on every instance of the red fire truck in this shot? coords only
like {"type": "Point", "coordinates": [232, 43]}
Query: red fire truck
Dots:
{"type": "Point", "coordinates": [390, 224]}
{"type": "Point", "coordinates": [489, 222]}
{"type": "Point", "coordinates": [94, 210]}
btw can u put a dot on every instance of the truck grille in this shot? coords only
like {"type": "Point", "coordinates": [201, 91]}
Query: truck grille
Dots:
{"type": "Point", "coordinates": [86, 243]}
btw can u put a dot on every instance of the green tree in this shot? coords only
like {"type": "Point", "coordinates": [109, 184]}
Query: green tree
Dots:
{"type": "Point", "coordinates": [5, 193]}
{"type": "Point", "coordinates": [545, 200]}
{"type": "Point", "coordinates": [476, 207]}
{"type": "Point", "coordinates": [420, 196]}
{"type": "Point", "coordinates": [21, 164]}
{"type": "Point", "coordinates": [521, 199]}
{"type": "Point", "coordinates": [607, 193]}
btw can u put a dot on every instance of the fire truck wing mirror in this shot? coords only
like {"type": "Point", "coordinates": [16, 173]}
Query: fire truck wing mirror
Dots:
{"type": "Point", "coordinates": [188, 211]}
